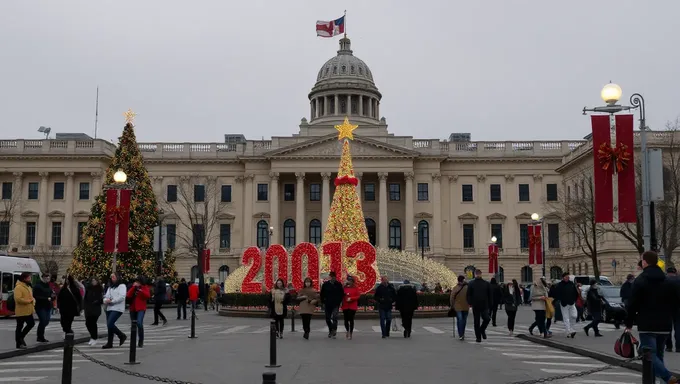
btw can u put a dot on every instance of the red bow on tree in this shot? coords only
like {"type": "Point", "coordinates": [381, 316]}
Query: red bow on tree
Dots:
{"type": "Point", "coordinates": [117, 213]}
{"type": "Point", "coordinates": [346, 180]}
{"type": "Point", "coordinates": [617, 157]}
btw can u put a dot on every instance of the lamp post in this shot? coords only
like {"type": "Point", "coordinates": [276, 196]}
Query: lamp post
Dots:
{"type": "Point", "coordinates": [611, 94]}
{"type": "Point", "coordinates": [159, 254]}
{"type": "Point", "coordinates": [420, 238]}
{"type": "Point", "coordinates": [494, 239]}
{"type": "Point", "coordinates": [120, 183]}
{"type": "Point", "coordinates": [271, 233]}
{"type": "Point", "coordinates": [536, 219]}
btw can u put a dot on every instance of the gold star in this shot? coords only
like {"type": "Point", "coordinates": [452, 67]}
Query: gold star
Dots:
{"type": "Point", "coordinates": [346, 129]}
{"type": "Point", "coordinates": [129, 116]}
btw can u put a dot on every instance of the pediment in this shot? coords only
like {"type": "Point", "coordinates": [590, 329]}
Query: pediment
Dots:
{"type": "Point", "coordinates": [29, 214]}
{"type": "Point", "coordinates": [81, 214]}
{"type": "Point", "coordinates": [261, 215]}
{"type": "Point", "coordinates": [423, 215]}
{"type": "Point", "coordinates": [225, 216]}
{"type": "Point", "coordinates": [330, 147]}
{"type": "Point", "coordinates": [56, 213]}
{"type": "Point", "coordinates": [496, 216]}
{"type": "Point", "coordinates": [170, 215]}
{"type": "Point", "coordinates": [468, 216]}
{"type": "Point", "coordinates": [523, 216]}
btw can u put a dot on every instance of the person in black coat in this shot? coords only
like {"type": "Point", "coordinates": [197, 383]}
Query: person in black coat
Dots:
{"type": "Point", "coordinates": [159, 293]}
{"type": "Point", "coordinates": [69, 302]}
{"type": "Point", "coordinates": [566, 295]}
{"type": "Point", "coordinates": [385, 296]}
{"type": "Point", "coordinates": [181, 298]}
{"type": "Point", "coordinates": [496, 296]}
{"type": "Point", "coordinates": [627, 289]}
{"type": "Point", "coordinates": [480, 297]}
{"type": "Point", "coordinates": [94, 298]}
{"type": "Point", "coordinates": [331, 296]}
{"type": "Point", "coordinates": [44, 296]}
{"type": "Point", "coordinates": [512, 298]}
{"type": "Point", "coordinates": [407, 303]}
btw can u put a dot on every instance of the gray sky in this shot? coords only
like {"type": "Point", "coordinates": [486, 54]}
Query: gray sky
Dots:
{"type": "Point", "coordinates": [195, 70]}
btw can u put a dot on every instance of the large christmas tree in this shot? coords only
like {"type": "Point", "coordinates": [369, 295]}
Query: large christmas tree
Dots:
{"type": "Point", "coordinates": [89, 258]}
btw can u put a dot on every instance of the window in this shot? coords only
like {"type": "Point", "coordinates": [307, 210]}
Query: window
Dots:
{"type": "Point", "coordinates": [555, 273]}
{"type": "Point", "coordinates": [30, 233]}
{"type": "Point", "coordinates": [422, 192]}
{"type": "Point", "coordinates": [33, 191]}
{"type": "Point", "coordinates": [262, 232]}
{"type": "Point", "coordinates": [369, 192]}
{"type": "Point", "coordinates": [568, 192]}
{"type": "Point", "coordinates": [197, 235]}
{"type": "Point", "coordinates": [194, 273]}
{"type": "Point", "coordinates": [199, 193]}
{"type": "Point", "coordinates": [4, 232]}
{"type": "Point", "coordinates": [58, 191]}
{"type": "Point", "coordinates": [289, 192]}
{"type": "Point", "coordinates": [501, 275]}
{"type": "Point", "coordinates": [171, 193]}
{"type": "Point", "coordinates": [84, 191]}
{"type": "Point", "coordinates": [56, 233]}
{"type": "Point", "coordinates": [553, 235]}
{"type": "Point", "coordinates": [171, 230]}
{"type": "Point", "coordinates": [551, 192]}
{"type": "Point", "coordinates": [497, 230]}
{"type": "Point", "coordinates": [370, 228]}
{"type": "Point", "coordinates": [423, 234]}
{"type": "Point", "coordinates": [289, 233]}
{"type": "Point", "coordinates": [314, 192]}
{"type": "Point", "coordinates": [7, 190]}
{"type": "Point", "coordinates": [79, 231]}
{"type": "Point", "coordinates": [524, 192]}
{"type": "Point", "coordinates": [225, 236]}
{"type": "Point", "coordinates": [495, 192]}
{"type": "Point", "coordinates": [395, 193]}
{"type": "Point", "coordinates": [262, 192]}
{"type": "Point", "coordinates": [223, 272]}
{"type": "Point", "coordinates": [467, 192]}
{"type": "Point", "coordinates": [225, 194]}
{"type": "Point", "coordinates": [524, 236]}
{"type": "Point", "coordinates": [527, 275]}
{"type": "Point", "coordinates": [315, 231]}
{"type": "Point", "coordinates": [468, 236]}
{"type": "Point", "coordinates": [395, 234]}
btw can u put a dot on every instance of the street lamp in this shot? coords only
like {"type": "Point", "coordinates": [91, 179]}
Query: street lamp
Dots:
{"type": "Point", "coordinates": [538, 220]}
{"type": "Point", "coordinates": [419, 233]}
{"type": "Point", "coordinates": [159, 255]}
{"type": "Point", "coordinates": [611, 94]}
{"type": "Point", "coordinates": [120, 183]}
{"type": "Point", "coordinates": [497, 272]}
{"type": "Point", "coordinates": [120, 177]}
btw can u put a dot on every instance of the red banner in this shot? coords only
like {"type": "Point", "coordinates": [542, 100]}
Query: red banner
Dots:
{"type": "Point", "coordinates": [124, 223]}
{"type": "Point", "coordinates": [602, 175]}
{"type": "Point", "coordinates": [626, 184]}
{"type": "Point", "coordinates": [535, 244]}
{"type": "Point", "coordinates": [206, 261]}
{"type": "Point", "coordinates": [493, 258]}
{"type": "Point", "coordinates": [110, 228]}
{"type": "Point", "coordinates": [117, 215]}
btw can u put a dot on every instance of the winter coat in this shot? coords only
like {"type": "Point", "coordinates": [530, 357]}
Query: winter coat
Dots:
{"type": "Point", "coordinates": [594, 299]}
{"type": "Point", "coordinates": [496, 294]}
{"type": "Point", "coordinates": [675, 280]}
{"type": "Point", "coordinates": [42, 294]}
{"type": "Point", "coordinates": [182, 292]}
{"type": "Point", "coordinates": [459, 300]}
{"type": "Point", "coordinates": [23, 299]}
{"type": "Point", "coordinates": [566, 293]}
{"type": "Point", "coordinates": [479, 294]}
{"type": "Point", "coordinates": [160, 291]}
{"type": "Point", "coordinates": [116, 295]}
{"type": "Point", "coordinates": [332, 293]}
{"type": "Point", "coordinates": [626, 291]}
{"type": "Point", "coordinates": [193, 292]}
{"type": "Point", "coordinates": [285, 299]}
{"type": "Point", "coordinates": [385, 296]}
{"type": "Point", "coordinates": [512, 299]}
{"type": "Point", "coordinates": [94, 298]}
{"type": "Point", "coordinates": [407, 299]}
{"type": "Point", "coordinates": [69, 300]}
{"type": "Point", "coordinates": [138, 297]}
{"type": "Point", "coordinates": [653, 302]}
{"type": "Point", "coordinates": [351, 299]}
{"type": "Point", "coordinates": [309, 301]}
{"type": "Point", "coordinates": [537, 291]}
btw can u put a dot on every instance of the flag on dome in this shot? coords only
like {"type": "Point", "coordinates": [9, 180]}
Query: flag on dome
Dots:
{"type": "Point", "coordinates": [330, 28]}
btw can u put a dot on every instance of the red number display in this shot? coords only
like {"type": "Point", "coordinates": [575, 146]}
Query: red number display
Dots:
{"type": "Point", "coordinates": [278, 252]}
{"type": "Point", "coordinates": [367, 275]}
{"type": "Point", "coordinates": [251, 254]}
{"type": "Point", "coordinates": [334, 250]}
{"type": "Point", "coordinates": [312, 254]}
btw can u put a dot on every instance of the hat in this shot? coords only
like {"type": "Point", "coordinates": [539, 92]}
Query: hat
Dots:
{"type": "Point", "coordinates": [630, 276]}
{"type": "Point", "coordinates": [407, 282]}
{"type": "Point", "coordinates": [331, 274]}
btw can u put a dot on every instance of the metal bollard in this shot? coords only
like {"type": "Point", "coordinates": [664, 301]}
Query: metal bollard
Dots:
{"type": "Point", "coordinates": [67, 365]}
{"type": "Point", "coordinates": [292, 320]}
{"type": "Point", "coordinates": [193, 324]}
{"type": "Point", "coordinates": [272, 346]}
{"type": "Point", "coordinates": [269, 378]}
{"type": "Point", "coordinates": [647, 367]}
{"type": "Point", "coordinates": [133, 344]}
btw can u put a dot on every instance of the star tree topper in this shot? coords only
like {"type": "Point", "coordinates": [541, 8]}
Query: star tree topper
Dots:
{"type": "Point", "coordinates": [129, 116]}
{"type": "Point", "coordinates": [346, 129]}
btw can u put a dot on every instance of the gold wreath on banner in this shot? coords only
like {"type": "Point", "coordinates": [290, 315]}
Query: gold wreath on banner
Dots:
{"type": "Point", "coordinates": [534, 240]}
{"type": "Point", "coordinates": [117, 213]}
{"type": "Point", "coordinates": [615, 157]}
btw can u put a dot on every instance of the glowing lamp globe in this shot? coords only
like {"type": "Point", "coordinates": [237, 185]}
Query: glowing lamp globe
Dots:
{"type": "Point", "coordinates": [535, 216]}
{"type": "Point", "coordinates": [611, 93]}
{"type": "Point", "coordinates": [120, 177]}
{"type": "Point", "coordinates": [494, 239]}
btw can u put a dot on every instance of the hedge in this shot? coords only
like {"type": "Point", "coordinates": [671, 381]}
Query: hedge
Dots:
{"type": "Point", "coordinates": [262, 300]}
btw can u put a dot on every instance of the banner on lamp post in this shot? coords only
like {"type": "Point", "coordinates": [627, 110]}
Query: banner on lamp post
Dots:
{"type": "Point", "coordinates": [535, 246]}
{"type": "Point", "coordinates": [117, 222]}
{"type": "Point", "coordinates": [493, 258]}
{"type": "Point", "coordinates": [206, 261]}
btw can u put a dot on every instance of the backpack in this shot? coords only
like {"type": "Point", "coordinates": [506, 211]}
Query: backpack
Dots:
{"type": "Point", "coordinates": [626, 346]}
{"type": "Point", "coordinates": [11, 304]}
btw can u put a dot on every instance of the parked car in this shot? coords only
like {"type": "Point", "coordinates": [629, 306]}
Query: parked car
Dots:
{"type": "Point", "coordinates": [613, 310]}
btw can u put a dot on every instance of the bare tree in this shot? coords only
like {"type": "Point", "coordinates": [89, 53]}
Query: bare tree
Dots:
{"type": "Point", "coordinates": [49, 258]}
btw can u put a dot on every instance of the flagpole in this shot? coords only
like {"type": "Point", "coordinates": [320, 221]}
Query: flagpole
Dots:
{"type": "Point", "coordinates": [345, 17]}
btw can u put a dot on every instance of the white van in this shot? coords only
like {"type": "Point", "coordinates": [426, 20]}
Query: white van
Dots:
{"type": "Point", "coordinates": [10, 270]}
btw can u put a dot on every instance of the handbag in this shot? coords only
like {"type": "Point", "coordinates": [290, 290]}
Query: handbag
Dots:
{"type": "Point", "coordinates": [626, 346]}
{"type": "Point", "coordinates": [78, 304]}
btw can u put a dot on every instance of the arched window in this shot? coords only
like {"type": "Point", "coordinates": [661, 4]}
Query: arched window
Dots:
{"type": "Point", "coordinates": [555, 273]}
{"type": "Point", "coordinates": [580, 268]}
{"type": "Point", "coordinates": [344, 69]}
{"type": "Point", "coordinates": [527, 275]}
{"type": "Point", "coordinates": [262, 234]}
{"type": "Point", "coordinates": [335, 70]}
{"type": "Point", "coordinates": [194, 273]}
{"type": "Point", "coordinates": [289, 233]}
{"type": "Point", "coordinates": [395, 234]}
{"type": "Point", "coordinates": [315, 231]}
{"type": "Point", "coordinates": [469, 272]}
{"type": "Point", "coordinates": [343, 105]}
{"type": "Point", "coordinates": [223, 272]}
{"type": "Point", "coordinates": [501, 275]}
{"type": "Point", "coordinates": [587, 267]}
{"type": "Point", "coordinates": [351, 69]}
{"type": "Point", "coordinates": [423, 234]}
{"type": "Point", "coordinates": [370, 228]}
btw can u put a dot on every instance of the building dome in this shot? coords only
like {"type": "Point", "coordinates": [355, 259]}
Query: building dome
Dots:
{"type": "Point", "coordinates": [345, 66]}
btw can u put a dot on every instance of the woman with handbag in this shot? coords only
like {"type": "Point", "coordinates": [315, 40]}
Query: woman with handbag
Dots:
{"type": "Point", "coordinates": [278, 305]}
{"type": "Point", "coordinates": [512, 298]}
{"type": "Point", "coordinates": [94, 298]}
{"type": "Point", "coordinates": [138, 295]}
{"type": "Point", "coordinates": [308, 298]}
{"type": "Point", "coordinates": [70, 303]}
{"type": "Point", "coordinates": [539, 295]}
{"type": "Point", "coordinates": [460, 306]}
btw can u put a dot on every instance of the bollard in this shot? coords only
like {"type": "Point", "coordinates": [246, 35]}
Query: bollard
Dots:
{"type": "Point", "coordinates": [133, 344]}
{"type": "Point", "coordinates": [67, 365]}
{"type": "Point", "coordinates": [647, 367]}
{"type": "Point", "coordinates": [193, 324]}
{"type": "Point", "coordinates": [269, 378]}
{"type": "Point", "coordinates": [292, 320]}
{"type": "Point", "coordinates": [272, 346]}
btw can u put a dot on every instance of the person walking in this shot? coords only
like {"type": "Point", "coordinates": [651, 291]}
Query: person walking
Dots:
{"type": "Point", "coordinates": [193, 296]}
{"type": "Point", "coordinates": [23, 310]}
{"type": "Point", "coordinates": [350, 304]}
{"type": "Point", "coordinates": [512, 298]}
{"type": "Point", "coordinates": [567, 294]}
{"type": "Point", "coordinates": [674, 279]}
{"type": "Point", "coordinates": [407, 303]}
{"type": "Point", "coordinates": [278, 305]}
{"type": "Point", "coordinates": [308, 299]}
{"type": "Point", "coordinates": [580, 304]}
{"type": "Point", "coordinates": [94, 298]}
{"type": "Point", "coordinates": [460, 305]}
{"type": "Point", "coordinates": [654, 299]}
{"type": "Point", "coordinates": [138, 295]}
{"type": "Point", "coordinates": [44, 296]}
{"type": "Point", "coordinates": [181, 298]}
{"type": "Point", "coordinates": [496, 299]}
{"type": "Point", "coordinates": [70, 303]}
{"type": "Point", "coordinates": [159, 294]}
{"type": "Point", "coordinates": [539, 297]}
{"type": "Point", "coordinates": [331, 296]}
{"type": "Point", "coordinates": [627, 289]}
{"type": "Point", "coordinates": [385, 296]}
{"type": "Point", "coordinates": [594, 303]}
{"type": "Point", "coordinates": [479, 295]}
{"type": "Point", "coordinates": [114, 300]}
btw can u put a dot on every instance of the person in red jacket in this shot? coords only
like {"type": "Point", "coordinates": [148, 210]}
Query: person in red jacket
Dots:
{"type": "Point", "coordinates": [138, 295]}
{"type": "Point", "coordinates": [193, 295]}
{"type": "Point", "coordinates": [350, 304]}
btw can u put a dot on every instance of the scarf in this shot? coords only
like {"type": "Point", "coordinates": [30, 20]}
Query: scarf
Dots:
{"type": "Point", "coordinates": [277, 296]}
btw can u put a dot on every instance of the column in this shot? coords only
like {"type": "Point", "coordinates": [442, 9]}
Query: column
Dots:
{"type": "Point", "coordinates": [370, 107]}
{"type": "Point", "coordinates": [408, 220]}
{"type": "Point", "coordinates": [248, 211]}
{"type": "Point", "coordinates": [15, 208]}
{"type": "Point", "coordinates": [377, 109]}
{"type": "Point", "coordinates": [436, 214]}
{"type": "Point", "coordinates": [67, 236]}
{"type": "Point", "coordinates": [325, 198]}
{"type": "Point", "coordinates": [97, 184]}
{"type": "Point", "coordinates": [42, 218]}
{"type": "Point", "coordinates": [361, 105]}
{"type": "Point", "coordinates": [274, 207]}
{"type": "Point", "coordinates": [239, 200]}
{"type": "Point", "coordinates": [300, 208]}
{"type": "Point", "coordinates": [335, 105]}
{"type": "Point", "coordinates": [316, 107]}
{"type": "Point", "coordinates": [211, 221]}
{"type": "Point", "coordinates": [325, 105]}
{"type": "Point", "coordinates": [382, 211]}
{"type": "Point", "coordinates": [452, 215]}
{"type": "Point", "coordinates": [359, 176]}
{"type": "Point", "coordinates": [349, 105]}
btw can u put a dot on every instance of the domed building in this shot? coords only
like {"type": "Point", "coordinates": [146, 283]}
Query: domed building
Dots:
{"type": "Point", "coordinates": [442, 197]}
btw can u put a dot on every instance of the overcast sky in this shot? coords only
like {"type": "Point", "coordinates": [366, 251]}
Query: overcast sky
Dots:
{"type": "Point", "coordinates": [195, 70]}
